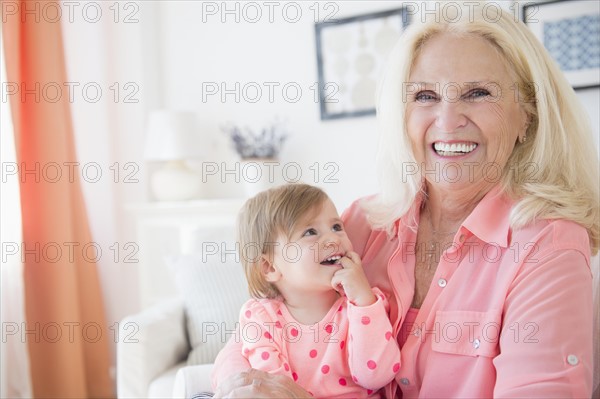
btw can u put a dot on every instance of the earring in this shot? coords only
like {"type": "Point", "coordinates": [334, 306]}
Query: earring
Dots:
{"type": "Point", "coordinates": [523, 139]}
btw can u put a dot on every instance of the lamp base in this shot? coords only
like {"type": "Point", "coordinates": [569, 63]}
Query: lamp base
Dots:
{"type": "Point", "coordinates": [175, 182]}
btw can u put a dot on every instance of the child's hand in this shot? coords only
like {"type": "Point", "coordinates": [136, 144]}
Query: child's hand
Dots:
{"type": "Point", "coordinates": [351, 281]}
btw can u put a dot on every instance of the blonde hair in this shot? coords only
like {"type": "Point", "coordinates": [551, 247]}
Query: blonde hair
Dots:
{"type": "Point", "coordinates": [262, 219]}
{"type": "Point", "coordinates": [559, 143]}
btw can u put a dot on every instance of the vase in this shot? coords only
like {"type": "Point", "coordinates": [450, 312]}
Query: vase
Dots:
{"type": "Point", "coordinates": [258, 174]}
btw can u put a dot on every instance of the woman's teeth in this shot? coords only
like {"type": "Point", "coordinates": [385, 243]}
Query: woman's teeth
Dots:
{"type": "Point", "coordinates": [454, 149]}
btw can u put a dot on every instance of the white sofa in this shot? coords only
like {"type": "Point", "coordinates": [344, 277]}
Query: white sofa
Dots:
{"type": "Point", "coordinates": [149, 366]}
{"type": "Point", "coordinates": [162, 346]}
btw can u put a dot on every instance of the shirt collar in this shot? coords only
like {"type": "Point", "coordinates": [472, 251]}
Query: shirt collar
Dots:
{"type": "Point", "coordinates": [490, 220]}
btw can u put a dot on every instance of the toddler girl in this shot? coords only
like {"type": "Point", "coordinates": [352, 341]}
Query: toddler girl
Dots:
{"type": "Point", "coordinates": [314, 316]}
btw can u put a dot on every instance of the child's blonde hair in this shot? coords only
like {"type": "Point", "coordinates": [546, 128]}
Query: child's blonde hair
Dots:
{"type": "Point", "coordinates": [265, 216]}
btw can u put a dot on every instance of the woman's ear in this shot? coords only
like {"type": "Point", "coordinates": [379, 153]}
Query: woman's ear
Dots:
{"type": "Point", "coordinates": [268, 269]}
{"type": "Point", "coordinates": [526, 122]}
{"type": "Point", "coordinates": [526, 126]}
{"type": "Point", "coordinates": [522, 137]}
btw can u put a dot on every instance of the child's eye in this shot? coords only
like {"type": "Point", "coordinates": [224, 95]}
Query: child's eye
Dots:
{"type": "Point", "coordinates": [425, 96]}
{"type": "Point", "coordinates": [338, 227]}
{"type": "Point", "coordinates": [309, 232]}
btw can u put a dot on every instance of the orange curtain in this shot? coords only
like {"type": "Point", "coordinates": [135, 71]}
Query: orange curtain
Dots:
{"type": "Point", "coordinates": [66, 329]}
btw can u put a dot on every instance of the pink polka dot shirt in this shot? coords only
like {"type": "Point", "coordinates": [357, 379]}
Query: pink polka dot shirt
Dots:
{"type": "Point", "coordinates": [351, 353]}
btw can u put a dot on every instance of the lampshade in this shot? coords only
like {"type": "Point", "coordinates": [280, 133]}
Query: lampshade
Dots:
{"type": "Point", "coordinates": [172, 135]}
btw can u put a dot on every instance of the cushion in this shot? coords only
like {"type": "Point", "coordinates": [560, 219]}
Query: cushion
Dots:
{"type": "Point", "coordinates": [213, 287]}
{"type": "Point", "coordinates": [162, 387]}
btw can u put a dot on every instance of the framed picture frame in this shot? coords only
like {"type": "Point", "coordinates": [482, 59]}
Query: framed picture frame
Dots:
{"type": "Point", "coordinates": [570, 31]}
{"type": "Point", "coordinates": [351, 53]}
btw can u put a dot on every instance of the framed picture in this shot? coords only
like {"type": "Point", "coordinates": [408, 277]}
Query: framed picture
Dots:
{"type": "Point", "coordinates": [570, 31]}
{"type": "Point", "coordinates": [350, 57]}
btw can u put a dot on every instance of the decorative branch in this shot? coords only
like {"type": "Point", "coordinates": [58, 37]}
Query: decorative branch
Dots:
{"type": "Point", "coordinates": [249, 144]}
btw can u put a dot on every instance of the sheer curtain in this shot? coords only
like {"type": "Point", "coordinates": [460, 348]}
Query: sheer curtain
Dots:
{"type": "Point", "coordinates": [61, 292]}
{"type": "Point", "coordinates": [14, 379]}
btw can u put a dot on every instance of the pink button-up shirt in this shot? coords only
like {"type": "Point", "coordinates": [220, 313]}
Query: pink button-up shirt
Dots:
{"type": "Point", "coordinates": [508, 312]}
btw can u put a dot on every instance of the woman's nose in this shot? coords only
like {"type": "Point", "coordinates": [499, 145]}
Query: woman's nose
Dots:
{"type": "Point", "coordinates": [450, 116]}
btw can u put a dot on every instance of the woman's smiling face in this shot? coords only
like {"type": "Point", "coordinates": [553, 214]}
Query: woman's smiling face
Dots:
{"type": "Point", "coordinates": [462, 114]}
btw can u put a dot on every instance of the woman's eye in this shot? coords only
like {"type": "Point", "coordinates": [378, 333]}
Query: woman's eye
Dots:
{"type": "Point", "coordinates": [338, 227]}
{"type": "Point", "coordinates": [425, 96]}
{"type": "Point", "coordinates": [478, 93]}
{"type": "Point", "coordinates": [309, 232]}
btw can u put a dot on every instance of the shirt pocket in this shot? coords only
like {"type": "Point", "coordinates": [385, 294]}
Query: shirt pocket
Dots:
{"type": "Point", "coordinates": [468, 333]}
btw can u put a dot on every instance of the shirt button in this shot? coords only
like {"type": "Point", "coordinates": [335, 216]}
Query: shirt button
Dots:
{"type": "Point", "coordinates": [442, 282]}
{"type": "Point", "coordinates": [404, 381]}
{"type": "Point", "coordinates": [572, 360]}
{"type": "Point", "coordinates": [417, 332]}
{"type": "Point", "coordinates": [461, 238]}
{"type": "Point", "coordinates": [476, 343]}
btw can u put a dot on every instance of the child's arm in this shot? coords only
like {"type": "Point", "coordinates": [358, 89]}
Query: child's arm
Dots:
{"type": "Point", "coordinates": [262, 339]}
{"type": "Point", "coordinates": [373, 352]}
{"type": "Point", "coordinates": [352, 282]}
{"type": "Point", "coordinates": [229, 361]}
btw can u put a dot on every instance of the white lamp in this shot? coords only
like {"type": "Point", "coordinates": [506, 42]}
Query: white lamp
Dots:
{"type": "Point", "coordinates": [172, 137]}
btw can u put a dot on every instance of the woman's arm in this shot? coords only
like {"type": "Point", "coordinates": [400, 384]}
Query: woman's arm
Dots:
{"type": "Point", "coordinates": [260, 384]}
{"type": "Point", "coordinates": [546, 339]}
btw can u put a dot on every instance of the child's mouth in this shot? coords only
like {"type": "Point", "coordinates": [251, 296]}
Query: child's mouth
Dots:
{"type": "Point", "coordinates": [332, 260]}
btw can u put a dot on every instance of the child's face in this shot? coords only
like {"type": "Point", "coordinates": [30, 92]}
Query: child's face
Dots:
{"type": "Point", "coordinates": [308, 259]}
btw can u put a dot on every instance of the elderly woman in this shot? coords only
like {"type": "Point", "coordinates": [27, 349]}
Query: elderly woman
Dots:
{"type": "Point", "coordinates": [482, 234]}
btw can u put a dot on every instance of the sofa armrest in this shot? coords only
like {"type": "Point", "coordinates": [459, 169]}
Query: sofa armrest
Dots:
{"type": "Point", "coordinates": [192, 380]}
{"type": "Point", "coordinates": [150, 343]}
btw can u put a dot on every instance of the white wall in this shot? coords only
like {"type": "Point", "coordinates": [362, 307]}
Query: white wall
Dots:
{"type": "Point", "coordinates": [197, 53]}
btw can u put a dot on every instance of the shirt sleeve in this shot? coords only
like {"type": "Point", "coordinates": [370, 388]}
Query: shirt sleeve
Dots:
{"type": "Point", "coordinates": [373, 353]}
{"type": "Point", "coordinates": [262, 343]}
{"type": "Point", "coordinates": [229, 361]}
{"type": "Point", "coordinates": [546, 340]}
